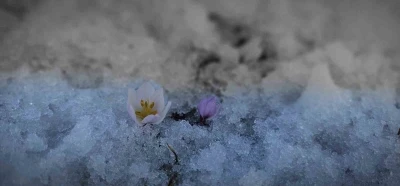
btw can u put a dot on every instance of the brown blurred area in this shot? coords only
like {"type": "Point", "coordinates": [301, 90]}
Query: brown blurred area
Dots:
{"type": "Point", "coordinates": [12, 12]}
{"type": "Point", "coordinates": [210, 42]}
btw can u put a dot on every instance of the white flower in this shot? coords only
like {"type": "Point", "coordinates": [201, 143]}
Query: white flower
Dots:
{"type": "Point", "coordinates": [146, 105]}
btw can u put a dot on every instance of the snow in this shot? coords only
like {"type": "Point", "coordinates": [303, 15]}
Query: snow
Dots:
{"type": "Point", "coordinates": [35, 143]}
{"type": "Point", "coordinates": [211, 161]}
{"type": "Point", "coordinates": [300, 104]}
{"type": "Point", "coordinates": [253, 177]}
{"type": "Point", "coordinates": [328, 136]}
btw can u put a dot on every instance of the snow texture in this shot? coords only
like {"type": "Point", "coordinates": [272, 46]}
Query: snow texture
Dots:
{"type": "Point", "coordinates": [302, 102]}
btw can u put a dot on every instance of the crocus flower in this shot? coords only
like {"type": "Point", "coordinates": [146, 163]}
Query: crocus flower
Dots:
{"type": "Point", "coordinates": [146, 105]}
{"type": "Point", "coordinates": [208, 107]}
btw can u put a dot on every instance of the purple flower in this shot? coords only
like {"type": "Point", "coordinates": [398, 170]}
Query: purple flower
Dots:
{"type": "Point", "coordinates": [208, 107]}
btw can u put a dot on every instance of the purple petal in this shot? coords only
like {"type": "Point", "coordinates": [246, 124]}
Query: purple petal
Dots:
{"type": "Point", "coordinates": [208, 106]}
{"type": "Point", "coordinates": [212, 107]}
{"type": "Point", "coordinates": [202, 106]}
{"type": "Point", "coordinates": [215, 108]}
{"type": "Point", "coordinates": [204, 110]}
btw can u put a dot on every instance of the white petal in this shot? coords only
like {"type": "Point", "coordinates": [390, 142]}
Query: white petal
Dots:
{"type": "Point", "coordinates": [164, 113]}
{"type": "Point", "coordinates": [132, 99]}
{"type": "Point", "coordinates": [158, 98]}
{"type": "Point", "coordinates": [131, 95]}
{"type": "Point", "coordinates": [131, 112]}
{"type": "Point", "coordinates": [150, 119]}
{"type": "Point", "coordinates": [145, 91]}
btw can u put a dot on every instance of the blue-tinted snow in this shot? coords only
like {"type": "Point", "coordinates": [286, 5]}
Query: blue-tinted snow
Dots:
{"type": "Point", "coordinates": [53, 134]}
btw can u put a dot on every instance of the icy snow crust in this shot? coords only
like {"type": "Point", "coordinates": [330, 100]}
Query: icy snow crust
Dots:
{"type": "Point", "coordinates": [309, 93]}
{"type": "Point", "coordinates": [52, 134]}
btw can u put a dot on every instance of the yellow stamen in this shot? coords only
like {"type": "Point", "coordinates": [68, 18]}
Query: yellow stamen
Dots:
{"type": "Point", "coordinates": [152, 105]}
{"type": "Point", "coordinates": [142, 103]}
{"type": "Point", "coordinates": [147, 109]}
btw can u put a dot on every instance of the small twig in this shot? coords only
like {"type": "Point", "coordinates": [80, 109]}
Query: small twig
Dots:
{"type": "Point", "coordinates": [173, 151]}
{"type": "Point", "coordinates": [172, 180]}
